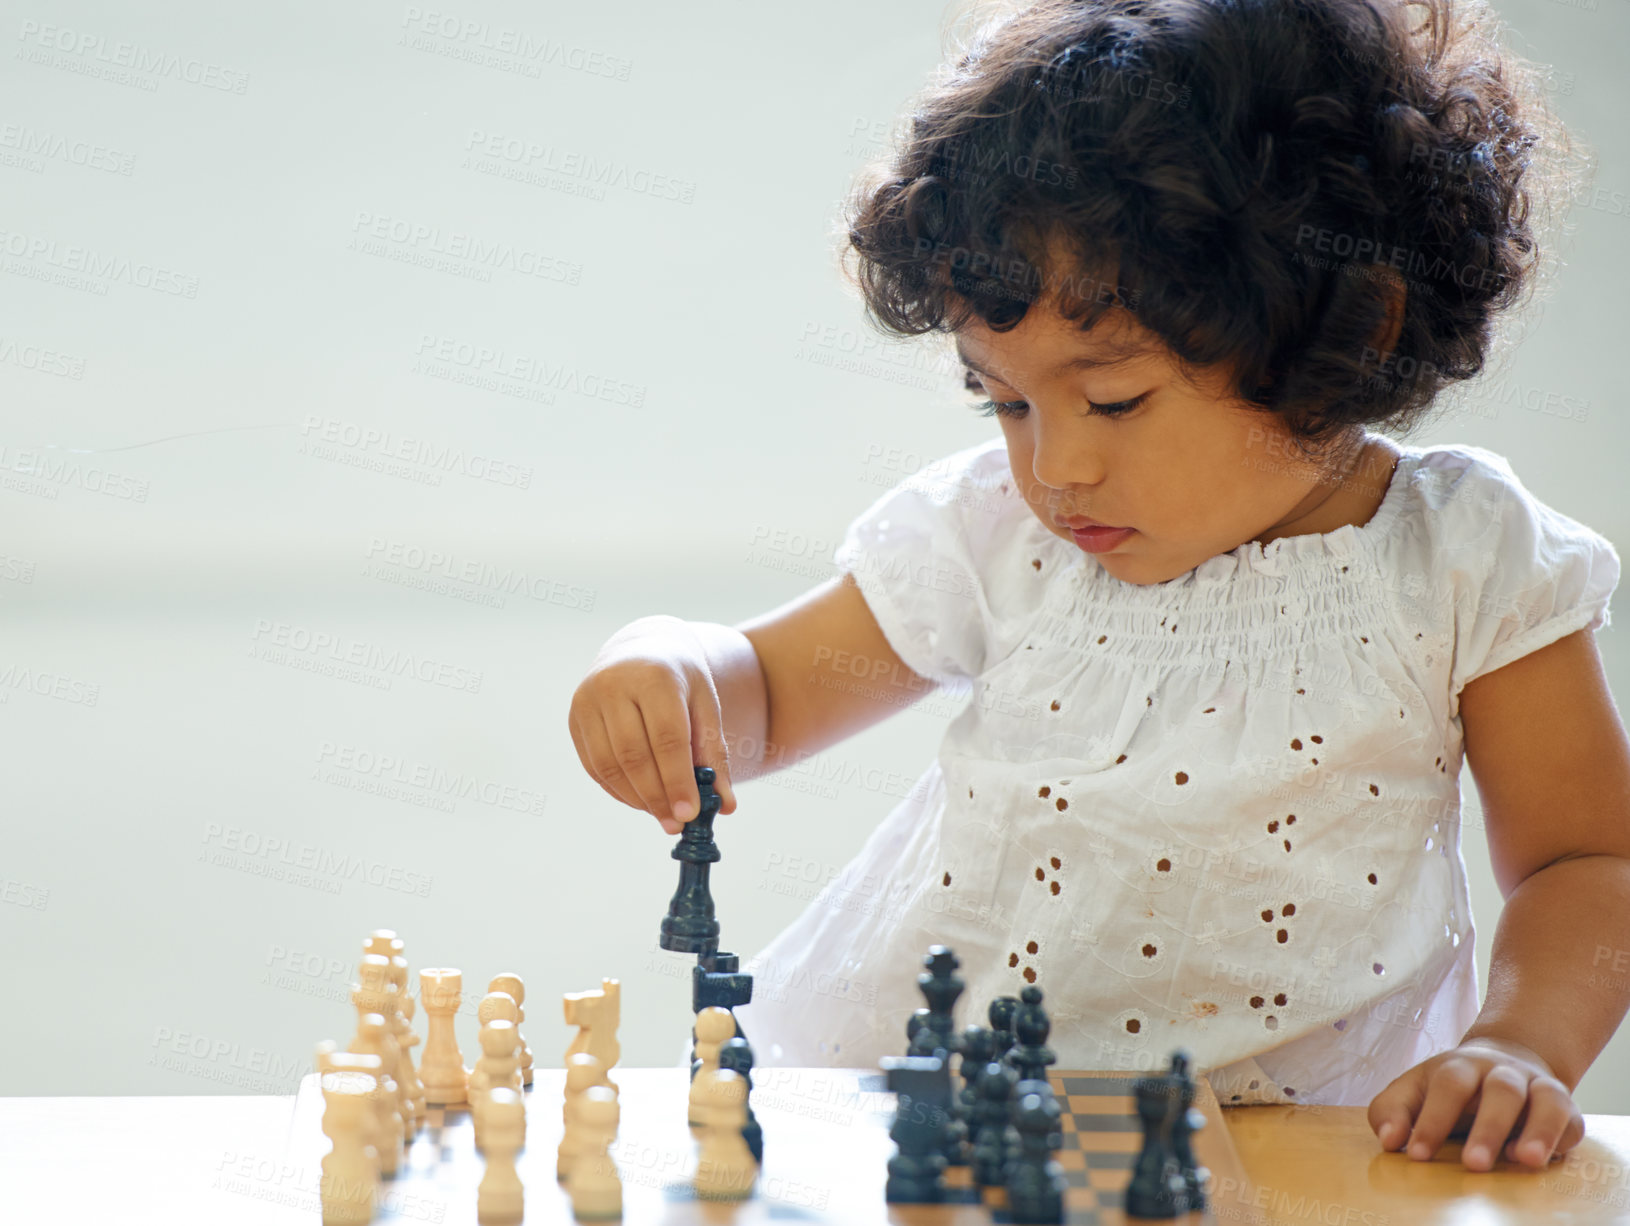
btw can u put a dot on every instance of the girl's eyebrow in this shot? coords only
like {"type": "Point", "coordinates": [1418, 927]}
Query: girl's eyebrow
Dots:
{"type": "Point", "coordinates": [1114, 357]}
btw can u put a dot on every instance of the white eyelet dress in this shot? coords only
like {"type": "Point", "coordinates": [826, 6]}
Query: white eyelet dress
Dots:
{"type": "Point", "coordinates": [1221, 812]}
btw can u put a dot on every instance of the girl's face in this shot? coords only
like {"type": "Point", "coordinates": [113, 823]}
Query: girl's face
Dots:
{"type": "Point", "coordinates": [1189, 470]}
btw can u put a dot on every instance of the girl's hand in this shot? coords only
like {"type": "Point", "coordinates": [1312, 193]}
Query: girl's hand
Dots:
{"type": "Point", "coordinates": [646, 715]}
{"type": "Point", "coordinates": [1499, 1090]}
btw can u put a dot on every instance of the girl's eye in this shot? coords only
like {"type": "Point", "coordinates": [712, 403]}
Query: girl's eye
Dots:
{"type": "Point", "coordinates": [1018, 408]}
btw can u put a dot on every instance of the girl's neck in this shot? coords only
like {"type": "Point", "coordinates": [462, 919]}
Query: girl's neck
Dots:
{"type": "Point", "coordinates": [1350, 493]}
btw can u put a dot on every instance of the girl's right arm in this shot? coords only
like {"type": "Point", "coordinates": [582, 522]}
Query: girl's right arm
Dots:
{"type": "Point", "coordinates": [666, 695]}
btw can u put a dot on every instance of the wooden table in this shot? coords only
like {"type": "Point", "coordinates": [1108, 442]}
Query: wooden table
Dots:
{"type": "Point", "coordinates": [249, 1161]}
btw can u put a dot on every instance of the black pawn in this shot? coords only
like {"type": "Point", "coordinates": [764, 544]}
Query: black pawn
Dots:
{"type": "Point", "coordinates": [993, 1113]}
{"type": "Point", "coordinates": [1001, 1014]}
{"type": "Point", "coordinates": [1036, 1183]}
{"type": "Point", "coordinates": [737, 1055]}
{"type": "Point", "coordinates": [940, 985]}
{"type": "Point", "coordinates": [690, 927]}
{"type": "Point", "coordinates": [1157, 1189]}
{"type": "Point", "coordinates": [1188, 1120]}
{"type": "Point", "coordinates": [922, 1085]}
{"type": "Point", "coordinates": [1031, 1025]}
{"type": "Point", "coordinates": [914, 1025]}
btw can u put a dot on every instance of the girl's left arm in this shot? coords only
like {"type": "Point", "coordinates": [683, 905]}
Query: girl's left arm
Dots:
{"type": "Point", "coordinates": [1552, 765]}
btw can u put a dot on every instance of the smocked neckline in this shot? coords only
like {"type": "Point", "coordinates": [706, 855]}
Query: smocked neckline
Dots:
{"type": "Point", "coordinates": [1286, 553]}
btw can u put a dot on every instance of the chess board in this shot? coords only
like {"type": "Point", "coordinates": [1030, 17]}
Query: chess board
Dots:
{"type": "Point", "coordinates": [826, 1148]}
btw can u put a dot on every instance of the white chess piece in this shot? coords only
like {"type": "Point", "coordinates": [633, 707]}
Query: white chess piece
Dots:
{"type": "Point", "coordinates": [725, 1169]}
{"type": "Point", "coordinates": [511, 983]}
{"type": "Point", "coordinates": [399, 1018]}
{"type": "Point", "coordinates": [350, 1178]}
{"type": "Point", "coordinates": [382, 1126]}
{"type": "Point", "coordinates": [442, 1072]}
{"type": "Point", "coordinates": [596, 1015]}
{"type": "Point", "coordinates": [714, 1026]}
{"type": "Point", "coordinates": [500, 1197]}
{"type": "Point", "coordinates": [374, 1038]}
{"type": "Point", "coordinates": [593, 1183]}
{"type": "Point", "coordinates": [498, 1067]}
{"type": "Point", "coordinates": [583, 1072]}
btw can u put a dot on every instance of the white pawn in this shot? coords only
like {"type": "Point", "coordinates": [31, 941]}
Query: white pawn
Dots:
{"type": "Point", "coordinates": [725, 1170]}
{"type": "Point", "coordinates": [386, 944]}
{"type": "Point", "coordinates": [350, 1177]}
{"type": "Point", "coordinates": [494, 1006]}
{"type": "Point", "coordinates": [593, 1184]}
{"type": "Point", "coordinates": [511, 983]}
{"type": "Point", "coordinates": [583, 1072]}
{"type": "Point", "coordinates": [498, 1067]}
{"type": "Point", "coordinates": [442, 1072]}
{"type": "Point", "coordinates": [383, 1126]}
{"type": "Point", "coordinates": [714, 1026]}
{"type": "Point", "coordinates": [500, 1197]}
{"type": "Point", "coordinates": [374, 1038]}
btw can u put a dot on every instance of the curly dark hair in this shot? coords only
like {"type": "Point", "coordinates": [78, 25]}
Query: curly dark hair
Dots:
{"type": "Point", "coordinates": [1253, 179]}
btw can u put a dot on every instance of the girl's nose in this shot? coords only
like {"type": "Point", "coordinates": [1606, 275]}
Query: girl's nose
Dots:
{"type": "Point", "coordinates": [1065, 456]}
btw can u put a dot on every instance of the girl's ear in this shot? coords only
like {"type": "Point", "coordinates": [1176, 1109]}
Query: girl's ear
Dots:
{"type": "Point", "coordinates": [1386, 335]}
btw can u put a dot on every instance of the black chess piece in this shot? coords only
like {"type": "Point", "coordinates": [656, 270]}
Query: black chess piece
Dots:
{"type": "Point", "coordinates": [1001, 1014]}
{"type": "Point", "coordinates": [737, 1055]}
{"type": "Point", "coordinates": [1188, 1120]}
{"type": "Point", "coordinates": [1031, 1025]}
{"type": "Point", "coordinates": [922, 1085]}
{"type": "Point", "coordinates": [690, 927]}
{"type": "Point", "coordinates": [717, 979]}
{"type": "Point", "coordinates": [1036, 1183]}
{"type": "Point", "coordinates": [940, 985]}
{"type": "Point", "coordinates": [914, 1025]}
{"type": "Point", "coordinates": [1158, 1189]}
{"type": "Point", "coordinates": [992, 1116]}
{"type": "Point", "coordinates": [976, 1045]}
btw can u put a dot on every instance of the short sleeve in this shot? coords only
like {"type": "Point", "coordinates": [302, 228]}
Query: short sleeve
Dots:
{"type": "Point", "coordinates": [1525, 575]}
{"type": "Point", "coordinates": [913, 555]}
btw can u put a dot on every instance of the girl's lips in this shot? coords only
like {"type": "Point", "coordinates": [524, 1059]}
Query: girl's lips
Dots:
{"type": "Point", "coordinates": [1100, 540]}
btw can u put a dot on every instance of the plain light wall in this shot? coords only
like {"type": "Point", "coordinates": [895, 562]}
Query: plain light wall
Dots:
{"type": "Point", "coordinates": [237, 241]}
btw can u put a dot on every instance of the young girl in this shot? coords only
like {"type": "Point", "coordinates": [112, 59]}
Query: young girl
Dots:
{"type": "Point", "coordinates": [1226, 648]}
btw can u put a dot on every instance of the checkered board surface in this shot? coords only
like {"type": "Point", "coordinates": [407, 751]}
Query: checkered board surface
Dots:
{"type": "Point", "coordinates": [1102, 1137]}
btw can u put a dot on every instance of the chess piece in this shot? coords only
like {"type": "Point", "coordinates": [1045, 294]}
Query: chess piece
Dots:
{"type": "Point", "coordinates": [349, 1179]}
{"type": "Point", "coordinates": [498, 1067]}
{"type": "Point", "coordinates": [400, 1021]}
{"type": "Point", "coordinates": [993, 1142]}
{"type": "Point", "coordinates": [374, 1039]}
{"type": "Point", "coordinates": [1157, 1188]}
{"type": "Point", "coordinates": [382, 1128]}
{"type": "Point", "coordinates": [713, 1027]}
{"type": "Point", "coordinates": [737, 1056]}
{"type": "Point", "coordinates": [725, 1169]}
{"type": "Point", "coordinates": [500, 1199]}
{"type": "Point", "coordinates": [1001, 1014]}
{"type": "Point", "coordinates": [511, 983]}
{"type": "Point", "coordinates": [372, 994]}
{"type": "Point", "coordinates": [596, 1014]}
{"type": "Point", "coordinates": [941, 985]}
{"type": "Point", "coordinates": [442, 1072]}
{"type": "Point", "coordinates": [690, 926]}
{"type": "Point", "coordinates": [583, 1071]}
{"type": "Point", "coordinates": [494, 1006]}
{"type": "Point", "coordinates": [1036, 1183]}
{"type": "Point", "coordinates": [1031, 1026]}
{"type": "Point", "coordinates": [717, 979]}
{"type": "Point", "coordinates": [922, 1087]}
{"type": "Point", "coordinates": [977, 1046]}
{"type": "Point", "coordinates": [1188, 1120]}
{"type": "Point", "coordinates": [593, 1184]}
{"type": "Point", "coordinates": [914, 1027]}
